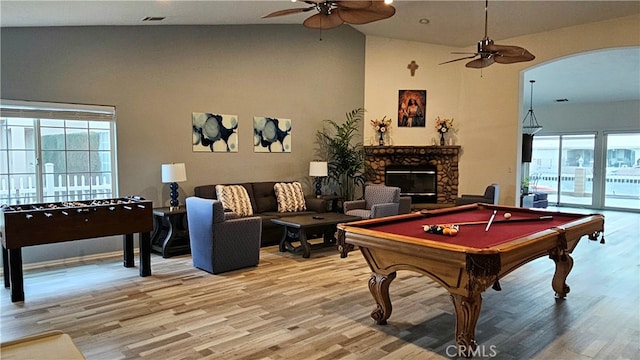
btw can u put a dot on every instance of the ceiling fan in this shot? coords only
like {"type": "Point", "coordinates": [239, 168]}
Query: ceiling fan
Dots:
{"type": "Point", "coordinates": [333, 13]}
{"type": "Point", "coordinates": [490, 52]}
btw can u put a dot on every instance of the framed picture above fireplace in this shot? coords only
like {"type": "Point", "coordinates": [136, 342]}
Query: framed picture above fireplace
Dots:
{"type": "Point", "coordinates": [412, 107]}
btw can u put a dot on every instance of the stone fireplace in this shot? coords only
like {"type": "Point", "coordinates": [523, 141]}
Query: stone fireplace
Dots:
{"type": "Point", "coordinates": [444, 159]}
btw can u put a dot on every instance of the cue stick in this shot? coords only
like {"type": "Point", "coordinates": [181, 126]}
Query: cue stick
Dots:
{"type": "Point", "coordinates": [493, 216]}
{"type": "Point", "coordinates": [548, 217]}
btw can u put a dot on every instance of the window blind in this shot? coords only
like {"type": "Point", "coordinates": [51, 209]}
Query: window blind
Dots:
{"type": "Point", "coordinates": [47, 110]}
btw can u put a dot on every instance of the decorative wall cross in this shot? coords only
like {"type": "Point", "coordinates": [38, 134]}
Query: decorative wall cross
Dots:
{"type": "Point", "coordinates": [412, 66]}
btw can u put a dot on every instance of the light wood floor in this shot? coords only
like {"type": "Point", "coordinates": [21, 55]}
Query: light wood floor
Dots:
{"type": "Point", "coordinates": [318, 308]}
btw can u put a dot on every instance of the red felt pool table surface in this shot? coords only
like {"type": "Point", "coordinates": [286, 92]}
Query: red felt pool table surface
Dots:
{"type": "Point", "coordinates": [474, 236]}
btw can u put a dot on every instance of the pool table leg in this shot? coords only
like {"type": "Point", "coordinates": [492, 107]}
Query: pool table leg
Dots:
{"type": "Point", "coordinates": [379, 287]}
{"type": "Point", "coordinates": [564, 264]}
{"type": "Point", "coordinates": [467, 310]}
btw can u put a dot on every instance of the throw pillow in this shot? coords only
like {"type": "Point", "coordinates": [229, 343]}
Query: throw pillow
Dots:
{"type": "Point", "coordinates": [290, 197]}
{"type": "Point", "coordinates": [235, 198]}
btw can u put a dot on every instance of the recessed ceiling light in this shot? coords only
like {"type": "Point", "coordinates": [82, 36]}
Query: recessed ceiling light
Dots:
{"type": "Point", "coordinates": [154, 18]}
{"type": "Point", "coordinates": [424, 21]}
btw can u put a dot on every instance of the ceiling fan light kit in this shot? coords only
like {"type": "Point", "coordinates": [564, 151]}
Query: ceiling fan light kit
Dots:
{"type": "Point", "coordinates": [490, 53]}
{"type": "Point", "coordinates": [333, 13]}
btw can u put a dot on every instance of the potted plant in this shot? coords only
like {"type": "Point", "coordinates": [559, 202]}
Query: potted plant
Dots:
{"type": "Point", "coordinates": [344, 155]}
{"type": "Point", "coordinates": [524, 186]}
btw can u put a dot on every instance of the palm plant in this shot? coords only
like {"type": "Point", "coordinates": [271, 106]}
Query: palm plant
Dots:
{"type": "Point", "coordinates": [345, 157]}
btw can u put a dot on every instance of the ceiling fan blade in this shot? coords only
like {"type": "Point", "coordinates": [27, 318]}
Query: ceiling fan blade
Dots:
{"type": "Point", "coordinates": [377, 11]}
{"type": "Point", "coordinates": [511, 51]}
{"type": "Point", "coordinates": [353, 4]}
{"type": "Point", "coordinates": [324, 22]}
{"type": "Point", "coordinates": [462, 58]}
{"type": "Point", "coordinates": [287, 12]}
{"type": "Point", "coordinates": [502, 59]}
{"type": "Point", "coordinates": [480, 63]}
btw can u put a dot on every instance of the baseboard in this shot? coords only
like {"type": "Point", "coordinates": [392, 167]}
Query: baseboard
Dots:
{"type": "Point", "coordinates": [72, 260]}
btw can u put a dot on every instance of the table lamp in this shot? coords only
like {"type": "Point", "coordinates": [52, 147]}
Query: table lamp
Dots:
{"type": "Point", "coordinates": [318, 169]}
{"type": "Point", "coordinates": [173, 174]}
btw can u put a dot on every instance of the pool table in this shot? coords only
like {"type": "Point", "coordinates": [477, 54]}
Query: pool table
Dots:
{"type": "Point", "coordinates": [471, 261]}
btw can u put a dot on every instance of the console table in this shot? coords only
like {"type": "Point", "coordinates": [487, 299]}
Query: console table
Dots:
{"type": "Point", "coordinates": [170, 231]}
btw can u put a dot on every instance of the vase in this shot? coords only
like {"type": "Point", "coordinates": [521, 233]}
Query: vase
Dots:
{"type": "Point", "coordinates": [381, 139]}
{"type": "Point", "coordinates": [442, 142]}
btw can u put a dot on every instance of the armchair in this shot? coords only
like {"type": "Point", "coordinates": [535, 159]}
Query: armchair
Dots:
{"type": "Point", "coordinates": [490, 196]}
{"type": "Point", "coordinates": [221, 241]}
{"type": "Point", "coordinates": [379, 201]}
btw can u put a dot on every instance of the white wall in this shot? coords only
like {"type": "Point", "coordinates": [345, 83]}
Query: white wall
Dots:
{"type": "Point", "coordinates": [568, 117]}
{"type": "Point", "coordinates": [386, 73]}
{"type": "Point", "coordinates": [486, 104]}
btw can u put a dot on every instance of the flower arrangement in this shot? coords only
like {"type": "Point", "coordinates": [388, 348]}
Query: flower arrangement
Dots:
{"type": "Point", "coordinates": [382, 125]}
{"type": "Point", "coordinates": [443, 125]}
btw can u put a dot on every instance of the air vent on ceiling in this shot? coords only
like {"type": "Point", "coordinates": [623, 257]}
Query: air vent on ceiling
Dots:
{"type": "Point", "coordinates": [154, 18]}
{"type": "Point", "coordinates": [562, 100]}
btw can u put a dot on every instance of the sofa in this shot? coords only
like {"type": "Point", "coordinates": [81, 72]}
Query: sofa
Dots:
{"type": "Point", "coordinates": [265, 205]}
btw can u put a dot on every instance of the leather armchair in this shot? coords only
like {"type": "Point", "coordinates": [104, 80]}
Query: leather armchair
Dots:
{"type": "Point", "coordinates": [491, 196]}
{"type": "Point", "coordinates": [221, 241]}
{"type": "Point", "coordinates": [379, 201]}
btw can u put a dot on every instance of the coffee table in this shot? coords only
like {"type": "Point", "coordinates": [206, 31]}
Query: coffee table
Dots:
{"type": "Point", "coordinates": [296, 228]}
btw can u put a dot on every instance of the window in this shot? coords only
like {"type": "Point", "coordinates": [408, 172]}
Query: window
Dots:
{"type": "Point", "coordinates": [567, 168]}
{"type": "Point", "coordinates": [51, 152]}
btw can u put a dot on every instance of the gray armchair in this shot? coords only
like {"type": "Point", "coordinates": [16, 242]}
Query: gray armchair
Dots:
{"type": "Point", "coordinates": [491, 196]}
{"type": "Point", "coordinates": [379, 201]}
{"type": "Point", "coordinates": [221, 241]}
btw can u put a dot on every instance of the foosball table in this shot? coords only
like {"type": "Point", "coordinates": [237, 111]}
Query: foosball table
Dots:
{"type": "Point", "coordinates": [47, 223]}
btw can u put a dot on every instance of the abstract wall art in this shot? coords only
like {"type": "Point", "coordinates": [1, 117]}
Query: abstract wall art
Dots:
{"type": "Point", "coordinates": [214, 132]}
{"type": "Point", "coordinates": [412, 107]}
{"type": "Point", "coordinates": [271, 135]}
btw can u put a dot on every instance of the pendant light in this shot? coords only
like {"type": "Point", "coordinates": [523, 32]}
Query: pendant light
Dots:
{"type": "Point", "coordinates": [530, 127]}
{"type": "Point", "coordinates": [530, 124]}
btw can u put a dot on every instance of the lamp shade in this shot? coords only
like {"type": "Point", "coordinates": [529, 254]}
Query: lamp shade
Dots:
{"type": "Point", "coordinates": [318, 168]}
{"type": "Point", "coordinates": [173, 173]}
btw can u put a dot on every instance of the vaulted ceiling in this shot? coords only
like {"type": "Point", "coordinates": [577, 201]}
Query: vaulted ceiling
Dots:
{"type": "Point", "coordinates": [449, 23]}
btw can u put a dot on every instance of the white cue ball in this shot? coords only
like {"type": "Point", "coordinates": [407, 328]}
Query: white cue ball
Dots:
{"type": "Point", "coordinates": [507, 215]}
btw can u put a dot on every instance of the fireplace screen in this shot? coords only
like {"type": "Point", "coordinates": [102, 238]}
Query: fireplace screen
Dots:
{"type": "Point", "coordinates": [418, 182]}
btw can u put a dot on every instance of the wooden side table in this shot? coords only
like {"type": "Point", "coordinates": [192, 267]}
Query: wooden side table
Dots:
{"type": "Point", "coordinates": [170, 232]}
{"type": "Point", "coordinates": [334, 199]}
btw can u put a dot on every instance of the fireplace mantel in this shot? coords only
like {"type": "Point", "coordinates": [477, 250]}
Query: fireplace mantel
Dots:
{"type": "Point", "coordinates": [443, 158]}
{"type": "Point", "coordinates": [411, 150]}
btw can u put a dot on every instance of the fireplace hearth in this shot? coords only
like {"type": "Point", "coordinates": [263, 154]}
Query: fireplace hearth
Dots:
{"type": "Point", "coordinates": [444, 159]}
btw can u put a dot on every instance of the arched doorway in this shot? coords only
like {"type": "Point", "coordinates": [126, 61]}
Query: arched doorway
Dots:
{"type": "Point", "coordinates": [589, 107]}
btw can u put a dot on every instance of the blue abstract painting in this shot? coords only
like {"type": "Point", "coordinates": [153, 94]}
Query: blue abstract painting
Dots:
{"type": "Point", "coordinates": [271, 135]}
{"type": "Point", "coordinates": [215, 132]}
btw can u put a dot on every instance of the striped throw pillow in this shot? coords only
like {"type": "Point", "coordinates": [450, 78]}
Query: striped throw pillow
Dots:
{"type": "Point", "coordinates": [235, 198]}
{"type": "Point", "coordinates": [290, 197]}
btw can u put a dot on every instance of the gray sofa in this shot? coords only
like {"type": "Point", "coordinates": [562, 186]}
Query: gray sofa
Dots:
{"type": "Point", "coordinates": [265, 205]}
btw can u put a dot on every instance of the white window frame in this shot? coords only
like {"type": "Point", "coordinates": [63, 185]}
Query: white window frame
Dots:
{"type": "Point", "coordinates": [76, 190]}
